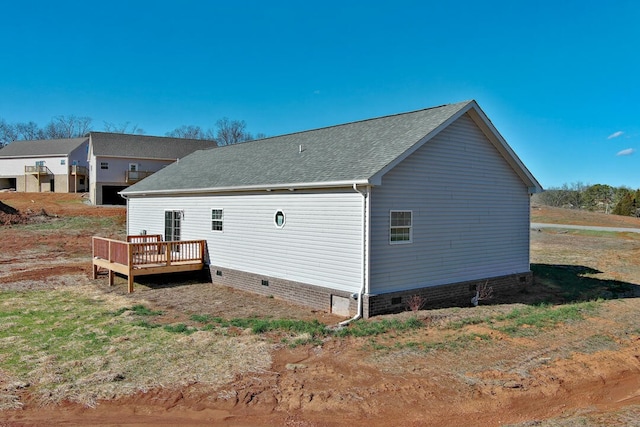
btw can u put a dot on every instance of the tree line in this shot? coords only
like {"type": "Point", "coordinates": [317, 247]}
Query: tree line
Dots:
{"type": "Point", "coordinates": [225, 132]}
{"type": "Point", "coordinates": [597, 197]}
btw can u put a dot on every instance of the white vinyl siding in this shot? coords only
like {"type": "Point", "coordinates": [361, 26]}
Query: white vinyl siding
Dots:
{"type": "Point", "coordinates": [320, 244]}
{"type": "Point", "coordinates": [470, 214]}
{"type": "Point", "coordinates": [16, 167]}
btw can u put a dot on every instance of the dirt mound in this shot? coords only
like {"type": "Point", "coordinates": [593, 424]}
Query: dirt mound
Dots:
{"type": "Point", "coordinates": [6, 209]}
{"type": "Point", "coordinates": [10, 215]}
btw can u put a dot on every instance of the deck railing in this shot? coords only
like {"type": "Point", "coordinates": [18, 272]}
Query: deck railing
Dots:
{"type": "Point", "coordinates": [111, 250]}
{"type": "Point", "coordinates": [146, 254]}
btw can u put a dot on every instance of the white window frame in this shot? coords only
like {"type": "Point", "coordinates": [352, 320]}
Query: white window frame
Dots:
{"type": "Point", "coordinates": [217, 220]}
{"type": "Point", "coordinates": [176, 219]}
{"type": "Point", "coordinates": [398, 227]}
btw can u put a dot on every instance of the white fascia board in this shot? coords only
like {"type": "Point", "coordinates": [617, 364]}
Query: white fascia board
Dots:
{"type": "Point", "coordinates": [291, 187]}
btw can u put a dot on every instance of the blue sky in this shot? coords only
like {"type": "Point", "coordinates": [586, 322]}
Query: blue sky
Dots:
{"type": "Point", "coordinates": [559, 79]}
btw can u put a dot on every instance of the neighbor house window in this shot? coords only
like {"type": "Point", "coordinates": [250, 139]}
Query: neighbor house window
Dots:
{"type": "Point", "coordinates": [63, 162]}
{"type": "Point", "coordinates": [217, 216]}
{"type": "Point", "coordinates": [104, 165]}
{"type": "Point", "coordinates": [400, 230]}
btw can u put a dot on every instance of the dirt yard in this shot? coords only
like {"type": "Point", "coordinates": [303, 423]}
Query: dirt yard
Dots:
{"type": "Point", "coordinates": [458, 369]}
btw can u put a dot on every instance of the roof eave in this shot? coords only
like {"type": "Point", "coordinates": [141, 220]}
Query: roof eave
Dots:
{"type": "Point", "coordinates": [246, 188]}
{"type": "Point", "coordinates": [35, 156]}
{"type": "Point", "coordinates": [111, 156]}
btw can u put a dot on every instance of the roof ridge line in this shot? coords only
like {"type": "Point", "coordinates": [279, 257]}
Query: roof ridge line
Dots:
{"type": "Point", "coordinates": [346, 123]}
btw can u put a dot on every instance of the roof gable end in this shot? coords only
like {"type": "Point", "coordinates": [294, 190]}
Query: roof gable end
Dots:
{"type": "Point", "coordinates": [486, 126]}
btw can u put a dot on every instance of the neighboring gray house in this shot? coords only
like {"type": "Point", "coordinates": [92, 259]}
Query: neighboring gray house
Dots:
{"type": "Point", "coordinates": [354, 218]}
{"type": "Point", "coordinates": [57, 165]}
{"type": "Point", "coordinates": [119, 160]}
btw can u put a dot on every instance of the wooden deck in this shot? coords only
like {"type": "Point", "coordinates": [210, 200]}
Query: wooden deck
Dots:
{"type": "Point", "coordinates": [143, 255]}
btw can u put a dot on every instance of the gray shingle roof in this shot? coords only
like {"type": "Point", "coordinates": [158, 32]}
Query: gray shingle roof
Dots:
{"type": "Point", "coordinates": [355, 152]}
{"type": "Point", "coordinates": [144, 147]}
{"type": "Point", "coordinates": [41, 148]}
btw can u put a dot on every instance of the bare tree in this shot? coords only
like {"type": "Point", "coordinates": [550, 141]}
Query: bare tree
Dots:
{"type": "Point", "coordinates": [29, 131]}
{"type": "Point", "coordinates": [7, 133]}
{"type": "Point", "coordinates": [226, 132]}
{"type": "Point", "coordinates": [61, 127]}
{"type": "Point", "coordinates": [191, 132]}
{"type": "Point", "coordinates": [231, 131]}
{"type": "Point", "coordinates": [123, 128]}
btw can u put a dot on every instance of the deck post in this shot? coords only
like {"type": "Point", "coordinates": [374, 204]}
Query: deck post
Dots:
{"type": "Point", "coordinates": [93, 256]}
{"type": "Point", "coordinates": [167, 253]}
{"type": "Point", "coordinates": [110, 271]}
{"type": "Point", "coordinates": [130, 265]}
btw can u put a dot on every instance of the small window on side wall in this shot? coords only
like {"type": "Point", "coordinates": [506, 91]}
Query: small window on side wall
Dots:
{"type": "Point", "coordinates": [217, 217]}
{"type": "Point", "coordinates": [279, 219]}
{"type": "Point", "coordinates": [401, 228]}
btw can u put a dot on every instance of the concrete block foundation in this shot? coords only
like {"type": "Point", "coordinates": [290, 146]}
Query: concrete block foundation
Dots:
{"type": "Point", "coordinates": [321, 298]}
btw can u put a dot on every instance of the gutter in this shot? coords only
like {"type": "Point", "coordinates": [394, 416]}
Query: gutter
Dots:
{"type": "Point", "coordinates": [365, 259]}
{"type": "Point", "coordinates": [263, 187]}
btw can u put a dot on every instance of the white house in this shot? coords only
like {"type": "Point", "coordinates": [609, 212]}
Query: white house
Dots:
{"type": "Point", "coordinates": [119, 160]}
{"type": "Point", "coordinates": [58, 165]}
{"type": "Point", "coordinates": [354, 218]}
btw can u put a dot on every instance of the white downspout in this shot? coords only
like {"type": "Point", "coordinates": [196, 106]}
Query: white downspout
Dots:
{"type": "Point", "coordinates": [364, 255]}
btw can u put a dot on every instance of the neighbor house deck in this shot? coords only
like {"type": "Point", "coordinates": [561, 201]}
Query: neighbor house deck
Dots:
{"type": "Point", "coordinates": [144, 255]}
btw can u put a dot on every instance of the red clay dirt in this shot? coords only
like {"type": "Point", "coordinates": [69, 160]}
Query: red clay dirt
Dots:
{"type": "Point", "coordinates": [333, 384]}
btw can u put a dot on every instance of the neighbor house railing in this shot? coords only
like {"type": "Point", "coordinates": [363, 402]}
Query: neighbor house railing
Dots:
{"type": "Point", "coordinates": [135, 176]}
{"type": "Point", "coordinates": [37, 170]}
{"type": "Point", "coordinates": [78, 170]}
